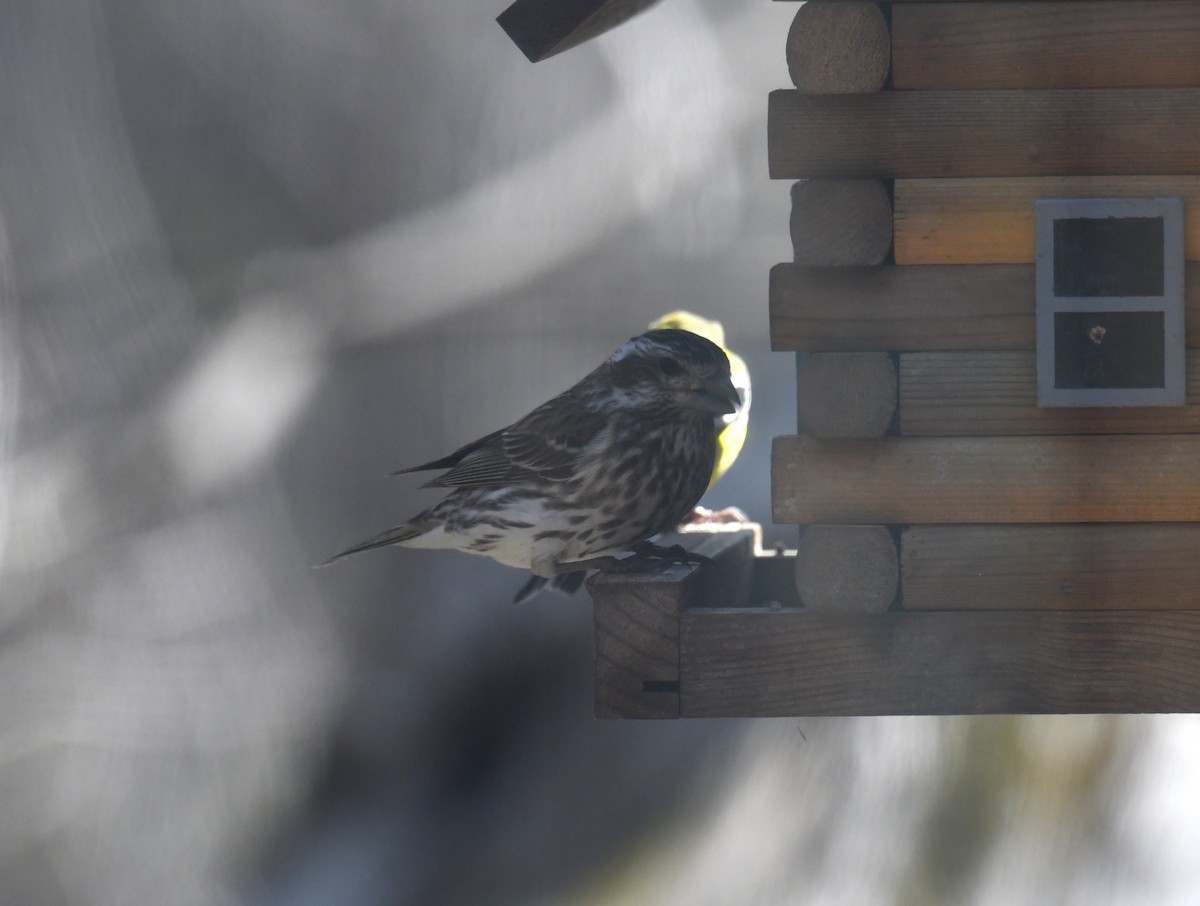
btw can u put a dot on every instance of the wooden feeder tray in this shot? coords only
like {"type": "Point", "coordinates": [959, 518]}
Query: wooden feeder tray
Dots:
{"type": "Point", "coordinates": [733, 640]}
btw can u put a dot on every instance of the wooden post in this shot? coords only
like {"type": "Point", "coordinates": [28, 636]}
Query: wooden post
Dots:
{"type": "Point", "coordinates": [845, 394]}
{"type": "Point", "coordinates": [841, 222]}
{"type": "Point", "coordinates": [839, 48]}
{"type": "Point", "coordinates": [847, 568]}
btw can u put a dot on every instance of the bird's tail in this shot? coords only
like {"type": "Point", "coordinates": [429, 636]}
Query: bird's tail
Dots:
{"type": "Point", "coordinates": [566, 583]}
{"type": "Point", "coordinates": [397, 535]}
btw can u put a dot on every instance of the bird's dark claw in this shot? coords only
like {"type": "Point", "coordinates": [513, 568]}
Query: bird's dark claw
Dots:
{"type": "Point", "coordinates": [649, 551]}
{"type": "Point", "coordinates": [632, 564]}
{"type": "Point", "coordinates": [642, 557]}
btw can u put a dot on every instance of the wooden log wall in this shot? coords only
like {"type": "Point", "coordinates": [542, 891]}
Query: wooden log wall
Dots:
{"type": "Point", "coordinates": [964, 550]}
{"type": "Point", "coordinates": [959, 132]}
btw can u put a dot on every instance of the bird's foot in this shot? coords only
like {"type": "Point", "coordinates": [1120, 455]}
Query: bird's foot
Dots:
{"type": "Point", "coordinates": [704, 516]}
{"type": "Point", "coordinates": [648, 551]}
{"type": "Point", "coordinates": [604, 564]}
{"type": "Point", "coordinates": [642, 557]}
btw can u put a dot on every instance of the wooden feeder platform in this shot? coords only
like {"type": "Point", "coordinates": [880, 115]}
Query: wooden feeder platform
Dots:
{"type": "Point", "coordinates": [735, 640]}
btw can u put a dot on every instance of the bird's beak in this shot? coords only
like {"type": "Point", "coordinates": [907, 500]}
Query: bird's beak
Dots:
{"type": "Point", "coordinates": [717, 395]}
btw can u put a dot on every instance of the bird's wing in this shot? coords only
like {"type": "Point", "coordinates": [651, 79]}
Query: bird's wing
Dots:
{"type": "Point", "coordinates": [545, 444]}
{"type": "Point", "coordinates": [452, 459]}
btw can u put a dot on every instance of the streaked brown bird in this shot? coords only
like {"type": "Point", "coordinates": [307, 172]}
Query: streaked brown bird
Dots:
{"type": "Point", "coordinates": [595, 472]}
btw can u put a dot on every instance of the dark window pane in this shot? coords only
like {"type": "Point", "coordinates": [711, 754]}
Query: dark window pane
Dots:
{"type": "Point", "coordinates": [1108, 350]}
{"type": "Point", "coordinates": [1108, 256]}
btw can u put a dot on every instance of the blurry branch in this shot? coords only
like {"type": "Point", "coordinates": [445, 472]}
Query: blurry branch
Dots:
{"type": "Point", "coordinates": [542, 28]}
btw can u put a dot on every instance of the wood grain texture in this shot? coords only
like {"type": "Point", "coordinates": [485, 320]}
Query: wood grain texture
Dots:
{"type": "Point", "coordinates": [991, 221]}
{"type": "Point", "coordinates": [845, 394]}
{"type": "Point", "coordinates": [1105, 43]}
{"type": "Point", "coordinates": [839, 48]}
{"type": "Point", "coordinates": [847, 568]}
{"type": "Point", "coordinates": [636, 622]}
{"type": "Point", "coordinates": [543, 28]}
{"type": "Point", "coordinates": [918, 307]}
{"type": "Point", "coordinates": [992, 393]}
{"type": "Point", "coordinates": [920, 480]}
{"type": "Point", "coordinates": [1047, 132]}
{"type": "Point", "coordinates": [840, 222]}
{"type": "Point", "coordinates": [787, 663]}
{"type": "Point", "coordinates": [901, 308]}
{"type": "Point", "coordinates": [1052, 567]}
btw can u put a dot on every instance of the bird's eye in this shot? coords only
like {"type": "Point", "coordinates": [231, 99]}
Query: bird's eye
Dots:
{"type": "Point", "coordinates": [670, 367]}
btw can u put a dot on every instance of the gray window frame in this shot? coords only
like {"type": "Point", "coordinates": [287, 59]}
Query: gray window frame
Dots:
{"type": "Point", "coordinates": [1171, 303]}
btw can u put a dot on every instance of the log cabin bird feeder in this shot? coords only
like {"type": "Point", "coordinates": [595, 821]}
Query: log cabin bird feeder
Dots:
{"type": "Point", "coordinates": [994, 300]}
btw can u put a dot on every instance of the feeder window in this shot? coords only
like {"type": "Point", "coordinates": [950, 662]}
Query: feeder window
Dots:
{"type": "Point", "coordinates": [1110, 302]}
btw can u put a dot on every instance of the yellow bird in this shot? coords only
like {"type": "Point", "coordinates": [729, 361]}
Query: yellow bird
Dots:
{"type": "Point", "coordinates": [733, 435]}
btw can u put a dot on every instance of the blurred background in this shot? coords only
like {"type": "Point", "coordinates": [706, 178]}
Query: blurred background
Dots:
{"type": "Point", "coordinates": [256, 255]}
